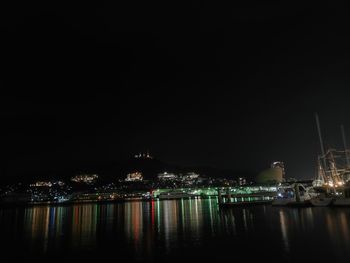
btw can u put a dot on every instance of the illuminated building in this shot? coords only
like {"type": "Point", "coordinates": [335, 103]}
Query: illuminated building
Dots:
{"type": "Point", "coordinates": [273, 175]}
{"type": "Point", "coordinates": [85, 178]}
{"type": "Point", "coordinates": [134, 177]}
{"type": "Point", "coordinates": [242, 181]}
{"type": "Point", "coordinates": [167, 176]}
{"type": "Point", "coordinates": [41, 184]}
{"type": "Point", "coordinates": [279, 165]}
{"type": "Point", "coordinates": [190, 176]}
{"type": "Point", "coordinates": [47, 184]}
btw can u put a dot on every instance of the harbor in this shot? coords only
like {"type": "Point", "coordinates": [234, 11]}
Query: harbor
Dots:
{"type": "Point", "coordinates": [273, 186]}
{"type": "Point", "coordinates": [185, 225]}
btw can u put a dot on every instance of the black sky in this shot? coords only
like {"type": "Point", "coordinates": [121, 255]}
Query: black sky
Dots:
{"type": "Point", "coordinates": [224, 86]}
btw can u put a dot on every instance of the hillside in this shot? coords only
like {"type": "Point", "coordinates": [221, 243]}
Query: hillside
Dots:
{"type": "Point", "coordinates": [112, 171]}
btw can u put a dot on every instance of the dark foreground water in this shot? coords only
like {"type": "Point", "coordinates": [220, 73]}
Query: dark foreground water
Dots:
{"type": "Point", "coordinates": [174, 231]}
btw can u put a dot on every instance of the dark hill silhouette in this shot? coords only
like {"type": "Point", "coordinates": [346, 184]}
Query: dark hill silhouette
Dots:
{"type": "Point", "coordinates": [116, 170]}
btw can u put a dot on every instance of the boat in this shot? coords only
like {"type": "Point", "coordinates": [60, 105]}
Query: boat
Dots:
{"type": "Point", "coordinates": [333, 178]}
{"type": "Point", "coordinates": [293, 195]}
{"type": "Point", "coordinates": [322, 201]}
{"type": "Point", "coordinates": [322, 194]}
{"type": "Point", "coordinates": [331, 183]}
{"type": "Point", "coordinates": [343, 197]}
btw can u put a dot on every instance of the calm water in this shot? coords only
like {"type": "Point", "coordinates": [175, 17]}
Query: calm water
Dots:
{"type": "Point", "coordinates": [181, 230]}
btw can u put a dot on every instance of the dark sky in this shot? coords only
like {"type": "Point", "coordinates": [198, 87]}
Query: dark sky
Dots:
{"type": "Point", "coordinates": [224, 86]}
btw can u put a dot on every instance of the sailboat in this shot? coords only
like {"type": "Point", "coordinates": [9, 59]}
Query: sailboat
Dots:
{"type": "Point", "coordinates": [344, 198]}
{"type": "Point", "coordinates": [323, 196]}
{"type": "Point", "coordinates": [331, 182]}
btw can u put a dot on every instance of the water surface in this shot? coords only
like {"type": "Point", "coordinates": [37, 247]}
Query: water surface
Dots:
{"type": "Point", "coordinates": [173, 231]}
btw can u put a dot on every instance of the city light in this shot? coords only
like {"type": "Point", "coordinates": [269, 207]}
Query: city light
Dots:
{"type": "Point", "coordinates": [85, 178]}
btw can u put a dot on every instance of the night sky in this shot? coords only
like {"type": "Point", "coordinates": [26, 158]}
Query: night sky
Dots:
{"type": "Point", "coordinates": [231, 87]}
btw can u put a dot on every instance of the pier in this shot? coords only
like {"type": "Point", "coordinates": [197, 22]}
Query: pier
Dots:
{"type": "Point", "coordinates": [227, 198]}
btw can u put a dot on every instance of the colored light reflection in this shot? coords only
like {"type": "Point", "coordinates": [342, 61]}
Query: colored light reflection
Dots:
{"type": "Point", "coordinates": [147, 230]}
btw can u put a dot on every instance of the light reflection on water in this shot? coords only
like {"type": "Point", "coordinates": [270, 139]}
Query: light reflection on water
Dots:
{"type": "Point", "coordinates": [149, 230]}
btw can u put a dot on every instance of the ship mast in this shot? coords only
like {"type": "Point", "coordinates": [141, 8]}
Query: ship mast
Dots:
{"type": "Point", "coordinates": [334, 171]}
{"type": "Point", "coordinates": [321, 176]}
{"type": "Point", "coordinates": [321, 142]}
{"type": "Point", "coordinates": [345, 146]}
{"type": "Point", "coordinates": [345, 149]}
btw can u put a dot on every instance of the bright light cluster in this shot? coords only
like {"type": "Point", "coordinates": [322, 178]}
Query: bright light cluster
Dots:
{"type": "Point", "coordinates": [47, 183]}
{"type": "Point", "coordinates": [132, 177]}
{"type": "Point", "coordinates": [336, 184]}
{"type": "Point", "coordinates": [85, 178]}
